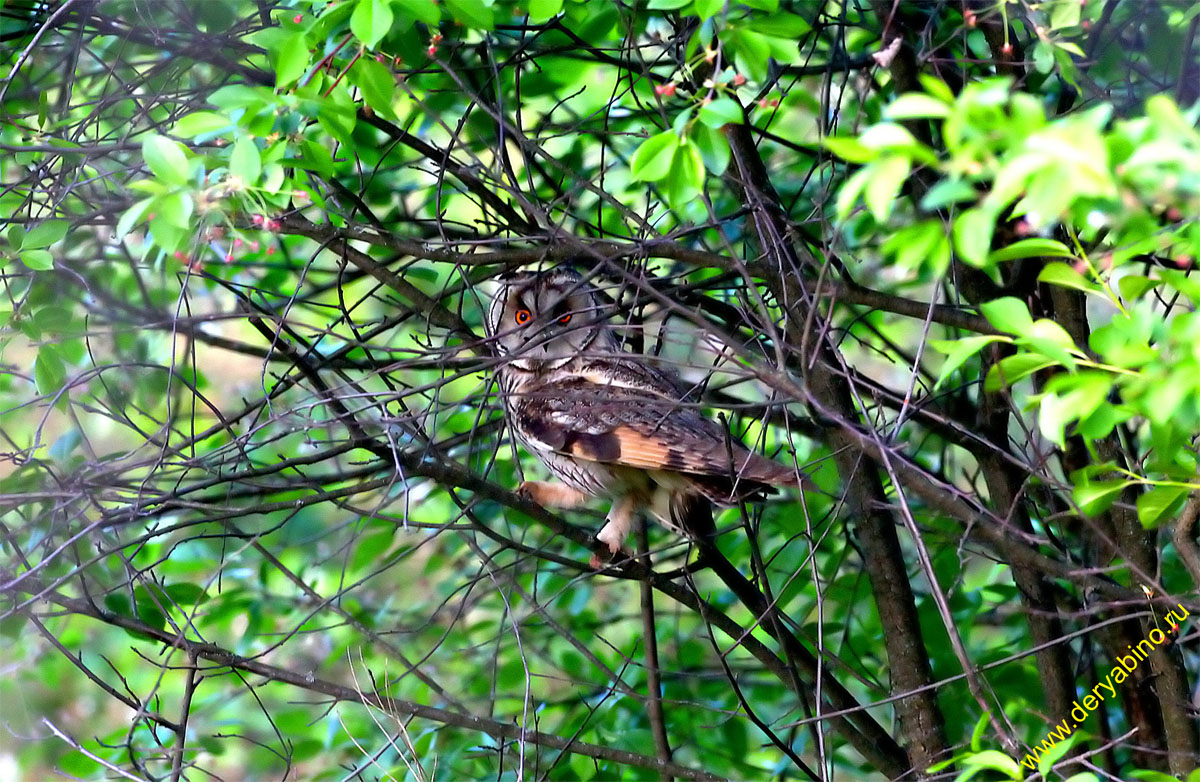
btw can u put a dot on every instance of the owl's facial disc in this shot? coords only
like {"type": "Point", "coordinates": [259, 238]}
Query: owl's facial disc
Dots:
{"type": "Point", "coordinates": [545, 321]}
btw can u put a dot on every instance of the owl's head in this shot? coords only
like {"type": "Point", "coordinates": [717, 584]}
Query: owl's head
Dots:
{"type": "Point", "coordinates": [542, 320]}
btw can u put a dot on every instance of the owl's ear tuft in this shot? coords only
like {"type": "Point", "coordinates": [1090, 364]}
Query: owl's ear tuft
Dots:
{"type": "Point", "coordinates": [510, 275]}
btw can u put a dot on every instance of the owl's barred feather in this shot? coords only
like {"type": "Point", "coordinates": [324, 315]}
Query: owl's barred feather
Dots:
{"type": "Point", "coordinates": [630, 427]}
{"type": "Point", "coordinates": [608, 423]}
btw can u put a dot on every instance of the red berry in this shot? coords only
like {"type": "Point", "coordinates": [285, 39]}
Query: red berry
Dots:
{"type": "Point", "coordinates": [298, 18]}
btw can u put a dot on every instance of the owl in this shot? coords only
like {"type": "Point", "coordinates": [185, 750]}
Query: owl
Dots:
{"type": "Point", "coordinates": [607, 423]}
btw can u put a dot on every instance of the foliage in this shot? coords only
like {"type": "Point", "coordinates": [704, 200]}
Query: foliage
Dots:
{"type": "Point", "coordinates": [257, 517]}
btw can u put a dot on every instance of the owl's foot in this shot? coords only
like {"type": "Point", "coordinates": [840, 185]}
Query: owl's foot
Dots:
{"type": "Point", "coordinates": [551, 495]}
{"type": "Point", "coordinates": [605, 559]}
{"type": "Point", "coordinates": [612, 535]}
{"type": "Point", "coordinates": [616, 529]}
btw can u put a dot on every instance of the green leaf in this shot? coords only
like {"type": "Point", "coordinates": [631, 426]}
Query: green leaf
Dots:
{"type": "Point", "coordinates": [706, 9]}
{"type": "Point", "coordinates": [714, 148]}
{"type": "Point", "coordinates": [958, 351]}
{"type": "Point", "coordinates": [1054, 414]}
{"type": "Point", "coordinates": [993, 759]}
{"type": "Point", "coordinates": [273, 175]}
{"type": "Point", "coordinates": [1141, 774]}
{"type": "Point", "coordinates": [148, 610]}
{"type": "Point", "coordinates": [291, 58]}
{"type": "Point", "coordinates": [44, 234]}
{"type": "Point", "coordinates": [201, 123]}
{"type": "Point", "coordinates": [337, 116]}
{"type": "Point", "coordinates": [1065, 276]}
{"type": "Point", "coordinates": [314, 157]}
{"type": "Point", "coordinates": [38, 260]}
{"type": "Point", "coordinates": [132, 216]}
{"type": "Point", "coordinates": [1008, 314]}
{"type": "Point", "coordinates": [850, 148]}
{"type": "Point", "coordinates": [783, 25]}
{"type": "Point", "coordinates": [982, 726]}
{"type": "Point", "coordinates": [165, 159]}
{"type": "Point", "coordinates": [377, 83]}
{"type": "Point", "coordinates": [1100, 423]}
{"type": "Point", "coordinates": [947, 192]}
{"type": "Point", "coordinates": [916, 105]}
{"type": "Point", "coordinates": [722, 111]}
{"type": "Point", "coordinates": [888, 135]}
{"type": "Point", "coordinates": [1056, 753]}
{"type": "Point", "coordinates": [1015, 368]}
{"type": "Point", "coordinates": [1133, 286]}
{"type": "Point", "coordinates": [472, 13]}
{"type": "Point", "coordinates": [652, 160]}
{"type": "Point", "coordinates": [1065, 13]}
{"type": "Point", "coordinates": [686, 178]}
{"type": "Point", "coordinates": [49, 370]}
{"type": "Point", "coordinates": [371, 20]}
{"type": "Point", "coordinates": [850, 191]}
{"type": "Point", "coordinates": [240, 96]}
{"type": "Point", "coordinates": [425, 11]}
{"type": "Point", "coordinates": [187, 594]}
{"type": "Point", "coordinates": [1094, 497]}
{"type": "Point", "coordinates": [922, 245]}
{"type": "Point", "coordinates": [1184, 283]}
{"type": "Point", "coordinates": [245, 161]}
{"type": "Point", "coordinates": [937, 88]}
{"type": "Point", "coordinates": [884, 181]}
{"type": "Point", "coordinates": [1156, 505]}
{"type": "Point", "coordinates": [751, 51]}
{"type": "Point", "coordinates": [1035, 247]}
{"type": "Point", "coordinates": [174, 209]}
{"type": "Point", "coordinates": [667, 5]}
{"type": "Point", "coordinates": [973, 235]}
{"type": "Point", "coordinates": [16, 235]}
{"type": "Point", "coordinates": [1050, 339]}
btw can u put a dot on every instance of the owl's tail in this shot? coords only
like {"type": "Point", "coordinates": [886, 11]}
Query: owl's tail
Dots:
{"type": "Point", "coordinates": [758, 470]}
{"type": "Point", "coordinates": [692, 513]}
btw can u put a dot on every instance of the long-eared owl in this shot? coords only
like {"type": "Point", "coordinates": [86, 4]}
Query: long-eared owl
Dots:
{"type": "Point", "coordinates": [607, 423]}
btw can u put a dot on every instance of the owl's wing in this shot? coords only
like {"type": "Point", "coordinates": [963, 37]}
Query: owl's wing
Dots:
{"type": "Point", "coordinates": [644, 430]}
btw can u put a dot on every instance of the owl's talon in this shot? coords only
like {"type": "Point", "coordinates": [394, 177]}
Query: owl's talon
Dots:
{"type": "Point", "coordinates": [601, 562]}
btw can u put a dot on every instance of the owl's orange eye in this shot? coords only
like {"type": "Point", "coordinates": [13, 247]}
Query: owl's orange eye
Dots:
{"type": "Point", "coordinates": [523, 317]}
{"type": "Point", "coordinates": [565, 319]}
